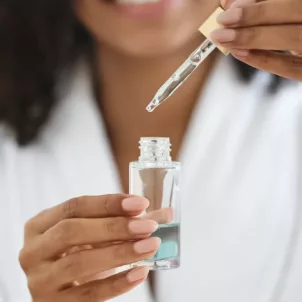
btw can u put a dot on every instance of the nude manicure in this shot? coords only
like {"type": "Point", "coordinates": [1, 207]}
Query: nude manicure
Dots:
{"type": "Point", "coordinates": [223, 35]}
{"type": "Point", "coordinates": [230, 17]}
{"type": "Point", "coordinates": [147, 245]}
{"type": "Point", "coordinates": [144, 226]}
{"type": "Point", "coordinates": [137, 274]}
{"type": "Point", "coordinates": [135, 204]}
{"type": "Point", "coordinates": [240, 3]}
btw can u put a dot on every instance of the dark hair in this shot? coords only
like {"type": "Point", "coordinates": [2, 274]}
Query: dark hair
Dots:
{"type": "Point", "coordinates": [40, 39]}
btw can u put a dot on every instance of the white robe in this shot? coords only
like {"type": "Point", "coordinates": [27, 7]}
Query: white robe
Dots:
{"type": "Point", "coordinates": [241, 191]}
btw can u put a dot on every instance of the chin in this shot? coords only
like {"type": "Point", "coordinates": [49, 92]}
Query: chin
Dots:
{"type": "Point", "coordinates": [150, 45]}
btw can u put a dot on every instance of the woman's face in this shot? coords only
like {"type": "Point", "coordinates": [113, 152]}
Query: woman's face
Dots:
{"type": "Point", "coordinates": [143, 28]}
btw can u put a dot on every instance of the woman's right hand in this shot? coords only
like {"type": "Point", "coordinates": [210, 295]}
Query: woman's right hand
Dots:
{"type": "Point", "coordinates": [105, 223]}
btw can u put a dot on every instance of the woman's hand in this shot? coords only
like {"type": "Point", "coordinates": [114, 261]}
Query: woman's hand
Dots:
{"type": "Point", "coordinates": [253, 30]}
{"type": "Point", "coordinates": [54, 262]}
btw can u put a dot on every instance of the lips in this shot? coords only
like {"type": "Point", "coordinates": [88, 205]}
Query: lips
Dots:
{"type": "Point", "coordinates": [145, 9]}
{"type": "Point", "coordinates": [136, 2]}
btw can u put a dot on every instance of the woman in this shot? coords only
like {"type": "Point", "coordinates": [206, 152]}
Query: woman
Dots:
{"type": "Point", "coordinates": [75, 79]}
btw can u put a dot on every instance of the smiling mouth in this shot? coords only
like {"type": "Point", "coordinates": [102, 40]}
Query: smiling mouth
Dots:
{"type": "Point", "coordinates": [144, 9]}
{"type": "Point", "coordinates": [136, 2]}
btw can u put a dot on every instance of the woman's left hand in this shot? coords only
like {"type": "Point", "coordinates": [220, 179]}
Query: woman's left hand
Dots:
{"type": "Point", "coordinates": [254, 32]}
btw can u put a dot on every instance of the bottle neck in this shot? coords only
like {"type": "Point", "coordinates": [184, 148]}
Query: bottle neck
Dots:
{"type": "Point", "coordinates": [155, 149]}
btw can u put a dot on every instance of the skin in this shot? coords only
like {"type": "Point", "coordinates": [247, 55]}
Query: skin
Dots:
{"type": "Point", "coordinates": [53, 266]}
{"type": "Point", "coordinates": [253, 29]}
{"type": "Point", "coordinates": [63, 257]}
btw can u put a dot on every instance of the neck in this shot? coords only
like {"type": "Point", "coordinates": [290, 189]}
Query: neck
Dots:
{"type": "Point", "coordinates": [128, 84]}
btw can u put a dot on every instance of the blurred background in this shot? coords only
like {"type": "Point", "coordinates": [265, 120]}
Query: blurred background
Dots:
{"type": "Point", "coordinates": [75, 79]}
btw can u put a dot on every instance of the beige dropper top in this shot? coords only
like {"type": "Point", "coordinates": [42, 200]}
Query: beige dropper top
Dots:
{"type": "Point", "coordinates": [211, 24]}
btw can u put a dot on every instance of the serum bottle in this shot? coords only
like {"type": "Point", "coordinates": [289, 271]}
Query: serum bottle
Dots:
{"type": "Point", "coordinates": [156, 177]}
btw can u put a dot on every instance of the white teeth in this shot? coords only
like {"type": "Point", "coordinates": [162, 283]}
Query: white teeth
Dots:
{"type": "Point", "coordinates": [136, 1]}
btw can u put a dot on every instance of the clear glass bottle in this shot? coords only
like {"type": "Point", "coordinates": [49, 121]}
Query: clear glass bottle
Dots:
{"type": "Point", "coordinates": [156, 177]}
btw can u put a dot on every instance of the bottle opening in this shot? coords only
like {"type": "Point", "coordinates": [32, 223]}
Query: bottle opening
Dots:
{"type": "Point", "coordinates": [155, 149]}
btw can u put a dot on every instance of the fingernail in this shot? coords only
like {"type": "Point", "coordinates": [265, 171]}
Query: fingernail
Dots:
{"type": "Point", "coordinates": [230, 17]}
{"type": "Point", "coordinates": [225, 4]}
{"type": "Point", "coordinates": [240, 3]}
{"type": "Point", "coordinates": [147, 245]}
{"type": "Point", "coordinates": [139, 273]}
{"type": "Point", "coordinates": [135, 204]}
{"type": "Point", "coordinates": [240, 53]}
{"type": "Point", "coordinates": [143, 226]}
{"type": "Point", "coordinates": [223, 35]}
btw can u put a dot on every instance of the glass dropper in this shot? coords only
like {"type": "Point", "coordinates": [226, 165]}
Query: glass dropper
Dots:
{"type": "Point", "coordinates": [182, 74]}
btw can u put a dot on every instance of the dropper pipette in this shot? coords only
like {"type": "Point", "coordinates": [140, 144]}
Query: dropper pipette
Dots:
{"type": "Point", "coordinates": [190, 65]}
{"type": "Point", "coordinates": [182, 74]}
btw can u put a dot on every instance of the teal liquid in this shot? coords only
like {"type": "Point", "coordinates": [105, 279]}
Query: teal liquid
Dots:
{"type": "Point", "coordinates": [168, 254]}
{"type": "Point", "coordinates": [170, 242]}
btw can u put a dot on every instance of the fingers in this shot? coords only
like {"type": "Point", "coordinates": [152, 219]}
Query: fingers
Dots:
{"type": "Point", "coordinates": [233, 3]}
{"type": "Point", "coordinates": [279, 37]}
{"type": "Point", "coordinates": [105, 289]}
{"type": "Point", "coordinates": [283, 65]}
{"type": "Point", "coordinates": [225, 4]}
{"type": "Point", "coordinates": [81, 222]}
{"type": "Point", "coordinates": [265, 25]}
{"type": "Point", "coordinates": [263, 13]}
{"type": "Point", "coordinates": [85, 263]}
{"type": "Point", "coordinates": [242, 3]}
{"type": "Point", "coordinates": [247, 25]}
{"type": "Point", "coordinates": [162, 216]}
{"type": "Point", "coordinates": [87, 207]}
{"type": "Point", "coordinates": [80, 231]}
